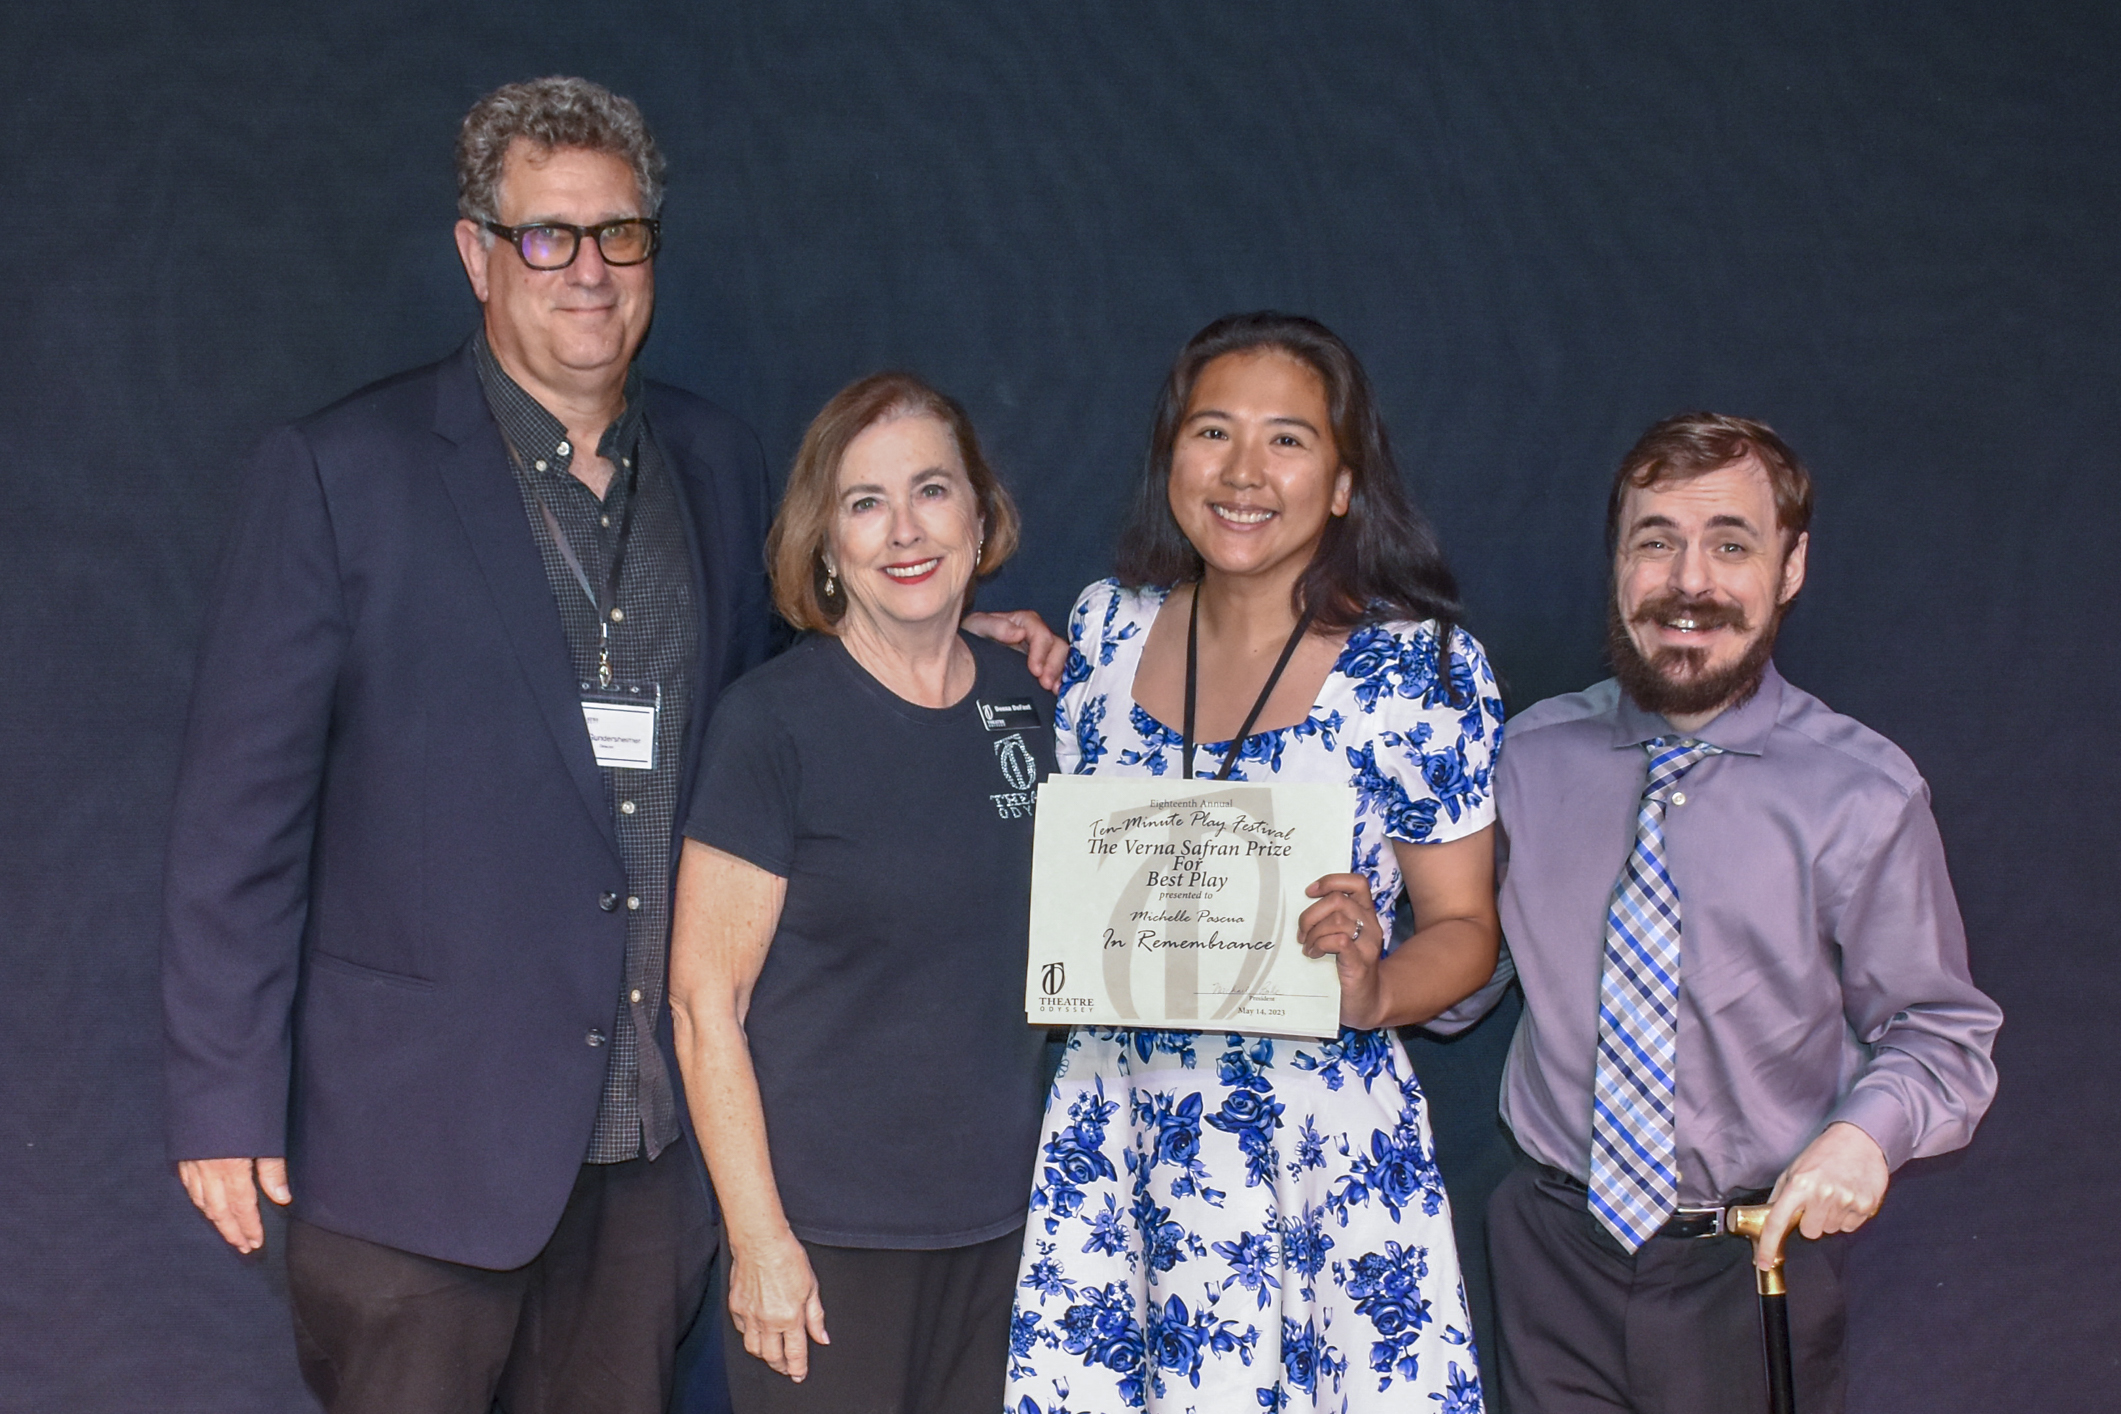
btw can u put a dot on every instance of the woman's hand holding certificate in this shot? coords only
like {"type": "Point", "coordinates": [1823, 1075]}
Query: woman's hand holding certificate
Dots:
{"type": "Point", "coordinates": [1343, 925]}
{"type": "Point", "coordinates": [1180, 904]}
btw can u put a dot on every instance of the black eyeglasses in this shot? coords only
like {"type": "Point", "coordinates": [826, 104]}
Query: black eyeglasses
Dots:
{"type": "Point", "coordinates": [553, 245]}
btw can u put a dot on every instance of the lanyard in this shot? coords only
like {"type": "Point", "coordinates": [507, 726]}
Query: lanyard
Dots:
{"type": "Point", "coordinates": [1288, 651]}
{"type": "Point", "coordinates": [607, 604]}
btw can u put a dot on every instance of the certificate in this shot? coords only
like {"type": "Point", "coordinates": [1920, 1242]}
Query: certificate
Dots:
{"type": "Point", "coordinates": [1172, 904]}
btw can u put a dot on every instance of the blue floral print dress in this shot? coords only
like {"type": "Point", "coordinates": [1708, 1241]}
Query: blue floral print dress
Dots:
{"type": "Point", "coordinates": [1225, 1222]}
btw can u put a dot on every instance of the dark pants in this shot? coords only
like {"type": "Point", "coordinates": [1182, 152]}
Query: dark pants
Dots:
{"type": "Point", "coordinates": [588, 1326]}
{"type": "Point", "coordinates": [1673, 1329]}
{"type": "Point", "coordinates": [912, 1333]}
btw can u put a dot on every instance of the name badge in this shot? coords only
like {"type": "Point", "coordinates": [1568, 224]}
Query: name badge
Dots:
{"type": "Point", "coordinates": [1009, 716]}
{"type": "Point", "coordinates": [621, 721]}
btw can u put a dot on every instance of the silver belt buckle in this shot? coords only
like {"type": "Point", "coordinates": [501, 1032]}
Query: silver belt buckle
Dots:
{"type": "Point", "coordinates": [1715, 1211]}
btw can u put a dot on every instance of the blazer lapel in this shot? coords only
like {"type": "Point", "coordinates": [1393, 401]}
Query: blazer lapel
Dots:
{"type": "Point", "coordinates": [475, 471]}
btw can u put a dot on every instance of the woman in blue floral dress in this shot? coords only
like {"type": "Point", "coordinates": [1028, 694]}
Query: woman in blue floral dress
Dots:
{"type": "Point", "coordinates": [1225, 1222]}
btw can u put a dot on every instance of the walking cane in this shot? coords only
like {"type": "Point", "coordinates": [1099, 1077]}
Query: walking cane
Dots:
{"type": "Point", "coordinates": [1747, 1222]}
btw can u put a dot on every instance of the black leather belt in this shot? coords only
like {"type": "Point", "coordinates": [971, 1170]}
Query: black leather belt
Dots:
{"type": "Point", "coordinates": [1691, 1220]}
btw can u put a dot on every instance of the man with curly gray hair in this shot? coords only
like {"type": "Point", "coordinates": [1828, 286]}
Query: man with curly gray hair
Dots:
{"type": "Point", "coordinates": [551, 115]}
{"type": "Point", "coordinates": [469, 623]}
{"type": "Point", "coordinates": [469, 626]}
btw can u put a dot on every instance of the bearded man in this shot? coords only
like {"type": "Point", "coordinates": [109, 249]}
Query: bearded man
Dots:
{"type": "Point", "coordinates": [1744, 971]}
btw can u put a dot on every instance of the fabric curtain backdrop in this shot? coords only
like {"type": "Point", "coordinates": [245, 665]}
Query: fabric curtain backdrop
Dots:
{"type": "Point", "coordinates": [1888, 232]}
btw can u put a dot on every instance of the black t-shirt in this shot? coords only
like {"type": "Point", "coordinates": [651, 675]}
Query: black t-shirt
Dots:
{"type": "Point", "coordinates": [901, 1083]}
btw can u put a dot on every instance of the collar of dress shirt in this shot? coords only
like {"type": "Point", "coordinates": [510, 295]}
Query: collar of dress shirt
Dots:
{"type": "Point", "coordinates": [1743, 729]}
{"type": "Point", "coordinates": [533, 430]}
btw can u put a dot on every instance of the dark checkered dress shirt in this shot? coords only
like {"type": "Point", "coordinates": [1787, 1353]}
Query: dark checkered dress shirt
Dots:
{"type": "Point", "coordinates": [657, 641]}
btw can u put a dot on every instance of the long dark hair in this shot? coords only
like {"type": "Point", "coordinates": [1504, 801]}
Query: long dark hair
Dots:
{"type": "Point", "coordinates": [1380, 561]}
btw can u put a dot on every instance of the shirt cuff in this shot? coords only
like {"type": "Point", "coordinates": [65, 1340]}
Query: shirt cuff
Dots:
{"type": "Point", "coordinates": [719, 834]}
{"type": "Point", "coordinates": [1883, 1118]}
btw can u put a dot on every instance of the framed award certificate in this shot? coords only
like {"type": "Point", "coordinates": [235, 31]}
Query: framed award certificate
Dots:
{"type": "Point", "coordinates": [1172, 904]}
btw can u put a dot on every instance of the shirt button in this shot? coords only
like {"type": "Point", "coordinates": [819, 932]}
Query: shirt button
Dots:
{"type": "Point", "coordinates": [618, 616]}
{"type": "Point", "coordinates": [595, 1037]}
{"type": "Point", "coordinates": [625, 807]}
{"type": "Point", "coordinates": [634, 995]}
{"type": "Point", "coordinates": [565, 449]}
{"type": "Point", "coordinates": [633, 901]}
{"type": "Point", "coordinates": [626, 461]}
{"type": "Point", "coordinates": [1678, 797]}
{"type": "Point", "coordinates": [540, 465]}
{"type": "Point", "coordinates": [604, 521]}
{"type": "Point", "coordinates": [607, 901]}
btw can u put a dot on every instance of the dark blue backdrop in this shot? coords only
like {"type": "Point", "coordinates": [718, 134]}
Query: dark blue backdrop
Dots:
{"type": "Point", "coordinates": [1888, 231]}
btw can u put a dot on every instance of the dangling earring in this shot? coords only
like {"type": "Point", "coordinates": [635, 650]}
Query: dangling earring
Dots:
{"type": "Point", "coordinates": [832, 581]}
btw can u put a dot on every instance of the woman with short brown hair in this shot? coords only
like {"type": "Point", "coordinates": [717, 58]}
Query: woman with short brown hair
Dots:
{"type": "Point", "coordinates": [849, 945]}
{"type": "Point", "coordinates": [802, 529]}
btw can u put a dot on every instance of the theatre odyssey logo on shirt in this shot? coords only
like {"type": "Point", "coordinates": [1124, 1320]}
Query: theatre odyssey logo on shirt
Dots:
{"type": "Point", "coordinates": [1020, 769]}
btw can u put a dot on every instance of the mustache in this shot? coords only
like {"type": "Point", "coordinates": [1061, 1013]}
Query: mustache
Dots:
{"type": "Point", "coordinates": [1674, 679]}
{"type": "Point", "coordinates": [1706, 613]}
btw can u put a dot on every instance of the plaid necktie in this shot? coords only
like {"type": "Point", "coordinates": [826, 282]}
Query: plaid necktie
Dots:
{"type": "Point", "coordinates": [1634, 1169]}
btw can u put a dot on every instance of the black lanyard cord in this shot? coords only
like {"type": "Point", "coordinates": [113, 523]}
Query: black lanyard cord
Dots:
{"type": "Point", "coordinates": [1288, 651]}
{"type": "Point", "coordinates": [606, 605]}
{"type": "Point", "coordinates": [610, 599]}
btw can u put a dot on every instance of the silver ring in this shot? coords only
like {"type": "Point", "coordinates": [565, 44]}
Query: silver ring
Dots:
{"type": "Point", "coordinates": [1358, 931]}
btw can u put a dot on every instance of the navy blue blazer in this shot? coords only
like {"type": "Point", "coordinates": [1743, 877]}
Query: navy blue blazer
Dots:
{"type": "Point", "coordinates": [385, 940]}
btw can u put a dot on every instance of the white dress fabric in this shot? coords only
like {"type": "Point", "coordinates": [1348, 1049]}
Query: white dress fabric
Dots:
{"type": "Point", "coordinates": [1225, 1222]}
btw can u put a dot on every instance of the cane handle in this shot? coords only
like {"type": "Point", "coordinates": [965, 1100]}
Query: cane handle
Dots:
{"type": "Point", "coordinates": [1749, 1222]}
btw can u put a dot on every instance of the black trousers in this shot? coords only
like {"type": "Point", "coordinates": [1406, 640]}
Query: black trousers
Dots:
{"type": "Point", "coordinates": [912, 1333]}
{"type": "Point", "coordinates": [1588, 1328]}
{"type": "Point", "coordinates": [588, 1326]}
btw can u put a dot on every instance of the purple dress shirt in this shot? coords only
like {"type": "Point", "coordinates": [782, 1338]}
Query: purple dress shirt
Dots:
{"type": "Point", "coordinates": [1823, 963]}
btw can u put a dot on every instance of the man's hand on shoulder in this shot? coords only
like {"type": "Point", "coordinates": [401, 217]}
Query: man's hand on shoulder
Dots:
{"type": "Point", "coordinates": [1045, 651]}
{"type": "Point", "coordinates": [1835, 1185]}
{"type": "Point", "coordinates": [226, 1190]}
